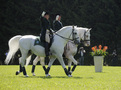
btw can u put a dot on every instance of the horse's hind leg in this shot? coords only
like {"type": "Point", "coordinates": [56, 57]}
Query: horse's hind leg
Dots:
{"type": "Point", "coordinates": [41, 59]}
{"type": "Point", "coordinates": [42, 62]}
{"type": "Point", "coordinates": [22, 61]}
{"type": "Point", "coordinates": [34, 64]}
{"type": "Point", "coordinates": [20, 70]}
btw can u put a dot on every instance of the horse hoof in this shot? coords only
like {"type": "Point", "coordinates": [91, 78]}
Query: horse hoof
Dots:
{"type": "Point", "coordinates": [70, 72]}
{"type": "Point", "coordinates": [47, 75]}
{"type": "Point", "coordinates": [33, 74]}
{"type": "Point", "coordinates": [17, 72]}
{"type": "Point", "coordinates": [26, 75]}
{"type": "Point", "coordinates": [69, 75]}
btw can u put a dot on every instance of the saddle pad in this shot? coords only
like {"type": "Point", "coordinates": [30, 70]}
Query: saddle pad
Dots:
{"type": "Point", "coordinates": [38, 42]}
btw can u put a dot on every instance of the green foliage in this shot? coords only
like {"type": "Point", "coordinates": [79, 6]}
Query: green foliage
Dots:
{"type": "Point", "coordinates": [22, 17]}
{"type": "Point", "coordinates": [98, 53]}
{"type": "Point", "coordinates": [84, 78]}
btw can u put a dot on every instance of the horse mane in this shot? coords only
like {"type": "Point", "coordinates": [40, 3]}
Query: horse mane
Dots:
{"type": "Point", "coordinates": [65, 27]}
{"type": "Point", "coordinates": [82, 28]}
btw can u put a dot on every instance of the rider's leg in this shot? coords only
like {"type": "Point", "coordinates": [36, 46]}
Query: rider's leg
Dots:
{"type": "Point", "coordinates": [46, 49]}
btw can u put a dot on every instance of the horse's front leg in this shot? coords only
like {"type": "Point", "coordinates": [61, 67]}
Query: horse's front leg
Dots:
{"type": "Point", "coordinates": [60, 58]}
{"type": "Point", "coordinates": [71, 58]}
{"type": "Point", "coordinates": [69, 65]}
{"type": "Point", "coordinates": [49, 65]}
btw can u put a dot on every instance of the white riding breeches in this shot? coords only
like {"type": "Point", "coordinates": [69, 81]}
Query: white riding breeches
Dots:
{"type": "Point", "coordinates": [47, 38]}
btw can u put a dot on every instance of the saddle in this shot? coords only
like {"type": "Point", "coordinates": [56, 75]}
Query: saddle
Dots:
{"type": "Point", "coordinates": [39, 42]}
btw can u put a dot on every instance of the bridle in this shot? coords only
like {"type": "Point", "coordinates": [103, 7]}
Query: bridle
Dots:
{"type": "Point", "coordinates": [84, 36]}
{"type": "Point", "coordinates": [72, 33]}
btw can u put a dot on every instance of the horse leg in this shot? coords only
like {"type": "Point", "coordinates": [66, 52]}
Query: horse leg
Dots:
{"type": "Point", "coordinates": [34, 64]}
{"type": "Point", "coordinates": [69, 65]}
{"type": "Point", "coordinates": [22, 61]}
{"type": "Point", "coordinates": [60, 58]}
{"type": "Point", "coordinates": [49, 65]}
{"type": "Point", "coordinates": [43, 63]}
{"type": "Point", "coordinates": [74, 61]}
{"type": "Point", "coordinates": [20, 68]}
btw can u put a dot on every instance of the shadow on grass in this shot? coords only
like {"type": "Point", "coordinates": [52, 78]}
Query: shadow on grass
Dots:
{"type": "Point", "coordinates": [51, 77]}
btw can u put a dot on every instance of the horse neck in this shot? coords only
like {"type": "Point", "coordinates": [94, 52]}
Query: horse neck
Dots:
{"type": "Point", "coordinates": [65, 32]}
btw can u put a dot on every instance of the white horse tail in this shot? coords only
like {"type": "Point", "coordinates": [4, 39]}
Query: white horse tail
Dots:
{"type": "Point", "coordinates": [13, 47]}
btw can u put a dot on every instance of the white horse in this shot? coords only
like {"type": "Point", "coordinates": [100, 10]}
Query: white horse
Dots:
{"type": "Point", "coordinates": [71, 48]}
{"type": "Point", "coordinates": [69, 51]}
{"type": "Point", "coordinates": [26, 44]}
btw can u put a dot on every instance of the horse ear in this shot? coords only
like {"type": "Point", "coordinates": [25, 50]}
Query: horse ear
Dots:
{"type": "Point", "coordinates": [90, 28]}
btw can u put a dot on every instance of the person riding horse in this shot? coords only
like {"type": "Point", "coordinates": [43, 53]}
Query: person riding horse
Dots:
{"type": "Point", "coordinates": [45, 30]}
{"type": "Point", "coordinates": [57, 24]}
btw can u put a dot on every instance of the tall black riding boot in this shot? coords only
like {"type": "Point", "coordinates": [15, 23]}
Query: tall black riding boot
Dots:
{"type": "Point", "coordinates": [47, 49]}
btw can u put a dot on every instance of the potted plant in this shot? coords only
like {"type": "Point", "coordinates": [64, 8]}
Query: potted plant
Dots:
{"type": "Point", "coordinates": [99, 54]}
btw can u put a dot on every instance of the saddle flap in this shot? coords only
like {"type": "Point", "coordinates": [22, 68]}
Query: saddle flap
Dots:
{"type": "Point", "coordinates": [38, 42]}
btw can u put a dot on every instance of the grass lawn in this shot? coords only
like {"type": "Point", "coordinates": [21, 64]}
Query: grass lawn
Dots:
{"type": "Point", "coordinates": [84, 78]}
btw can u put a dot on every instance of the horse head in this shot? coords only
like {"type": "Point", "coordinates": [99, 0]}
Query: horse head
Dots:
{"type": "Point", "coordinates": [69, 33]}
{"type": "Point", "coordinates": [84, 34]}
{"type": "Point", "coordinates": [87, 37]}
{"type": "Point", "coordinates": [75, 35]}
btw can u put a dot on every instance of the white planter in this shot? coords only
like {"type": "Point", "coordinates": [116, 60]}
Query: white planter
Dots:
{"type": "Point", "coordinates": [98, 62]}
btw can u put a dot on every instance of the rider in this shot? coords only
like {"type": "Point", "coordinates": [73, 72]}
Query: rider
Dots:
{"type": "Point", "coordinates": [57, 24]}
{"type": "Point", "coordinates": [45, 28]}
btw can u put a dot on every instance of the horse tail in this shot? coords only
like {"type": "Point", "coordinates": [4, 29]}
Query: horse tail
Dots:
{"type": "Point", "coordinates": [13, 48]}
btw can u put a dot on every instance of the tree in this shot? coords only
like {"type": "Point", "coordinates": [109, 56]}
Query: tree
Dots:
{"type": "Point", "coordinates": [22, 17]}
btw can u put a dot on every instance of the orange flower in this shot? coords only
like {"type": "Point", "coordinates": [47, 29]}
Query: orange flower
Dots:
{"type": "Point", "coordinates": [105, 48]}
{"type": "Point", "coordinates": [93, 49]}
{"type": "Point", "coordinates": [100, 47]}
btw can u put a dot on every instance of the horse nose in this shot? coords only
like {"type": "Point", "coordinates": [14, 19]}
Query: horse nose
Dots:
{"type": "Point", "coordinates": [77, 42]}
{"type": "Point", "coordinates": [88, 45]}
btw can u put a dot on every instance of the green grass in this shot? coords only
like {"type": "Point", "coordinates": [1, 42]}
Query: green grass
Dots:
{"type": "Point", "coordinates": [84, 78]}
